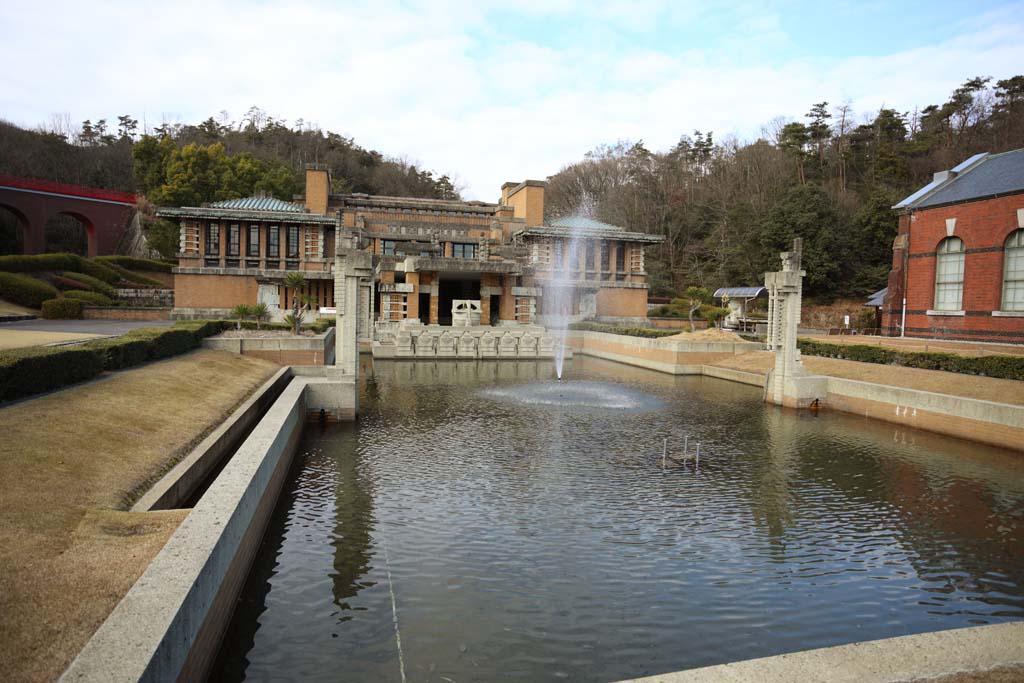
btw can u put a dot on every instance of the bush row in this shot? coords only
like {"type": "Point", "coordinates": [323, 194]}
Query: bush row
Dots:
{"type": "Point", "coordinates": [24, 372]}
{"type": "Point", "coordinates": [63, 309]}
{"type": "Point", "coordinates": [1004, 367]}
{"type": "Point", "coordinates": [93, 283]}
{"type": "Point", "coordinates": [133, 263]}
{"type": "Point", "coordinates": [89, 297]}
{"type": "Point", "coordinates": [649, 332]}
{"type": "Point", "coordinates": [102, 268]}
{"type": "Point", "coordinates": [25, 290]}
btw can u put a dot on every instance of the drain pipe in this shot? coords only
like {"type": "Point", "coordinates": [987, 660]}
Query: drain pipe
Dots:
{"type": "Point", "coordinates": [903, 319]}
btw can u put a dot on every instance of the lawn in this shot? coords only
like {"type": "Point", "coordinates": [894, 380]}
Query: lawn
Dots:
{"type": "Point", "coordinates": [71, 463]}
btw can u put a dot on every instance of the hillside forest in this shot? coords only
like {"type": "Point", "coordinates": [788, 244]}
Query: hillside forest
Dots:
{"type": "Point", "coordinates": [726, 207]}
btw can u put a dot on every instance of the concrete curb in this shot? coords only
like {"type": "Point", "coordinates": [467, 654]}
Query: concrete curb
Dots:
{"type": "Point", "coordinates": [179, 484]}
{"type": "Point", "coordinates": [905, 658]}
{"type": "Point", "coordinates": [168, 626]}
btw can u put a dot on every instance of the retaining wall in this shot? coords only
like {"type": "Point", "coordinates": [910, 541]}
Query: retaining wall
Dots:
{"type": "Point", "coordinates": [316, 350]}
{"type": "Point", "coordinates": [169, 625]}
{"type": "Point", "coordinates": [125, 313]}
{"type": "Point", "coordinates": [996, 424]}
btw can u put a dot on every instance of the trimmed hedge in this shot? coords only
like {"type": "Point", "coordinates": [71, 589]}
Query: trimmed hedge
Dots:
{"type": "Point", "coordinates": [62, 282]}
{"type": "Point", "coordinates": [29, 263]}
{"type": "Point", "coordinates": [25, 290]}
{"type": "Point", "coordinates": [649, 332]}
{"type": "Point", "coordinates": [24, 372]}
{"type": "Point", "coordinates": [1003, 367]}
{"type": "Point", "coordinates": [93, 283]}
{"type": "Point", "coordinates": [63, 309]}
{"type": "Point", "coordinates": [89, 297]}
{"type": "Point", "coordinates": [133, 263]}
{"type": "Point", "coordinates": [98, 270]}
{"type": "Point", "coordinates": [134, 278]}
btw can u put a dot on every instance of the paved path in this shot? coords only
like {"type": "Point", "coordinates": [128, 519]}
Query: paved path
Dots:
{"type": "Point", "coordinates": [105, 327]}
{"type": "Point", "coordinates": [962, 348]}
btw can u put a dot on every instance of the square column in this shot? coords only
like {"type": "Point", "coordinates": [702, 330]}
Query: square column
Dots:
{"type": "Point", "coordinates": [412, 306]}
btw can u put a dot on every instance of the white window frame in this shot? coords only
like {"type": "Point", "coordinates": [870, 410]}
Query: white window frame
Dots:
{"type": "Point", "coordinates": [1012, 300]}
{"type": "Point", "coordinates": [949, 275]}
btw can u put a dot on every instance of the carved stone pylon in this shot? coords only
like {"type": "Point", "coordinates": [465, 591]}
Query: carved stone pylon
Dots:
{"type": "Point", "coordinates": [789, 383]}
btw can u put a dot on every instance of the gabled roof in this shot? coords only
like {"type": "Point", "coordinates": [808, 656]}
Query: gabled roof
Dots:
{"type": "Point", "coordinates": [259, 204]}
{"type": "Point", "coordinates": [739, 292]}
{"type": "Point", "coordinates": [580, 226]}
{"type": "Point", "coordinates": [580, 222]}
{"type": "Point", "coordinates": [877, 299]}
{"type": "Point", "coordinates": [981, 176]}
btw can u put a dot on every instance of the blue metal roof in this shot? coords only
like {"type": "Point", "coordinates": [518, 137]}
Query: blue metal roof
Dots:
{"type": "Point", "coordinates": [259, 204]}
{"type": "Point", "coordinates": [983, 175]}
{"type": "Point", "coordinates": [739, 292]}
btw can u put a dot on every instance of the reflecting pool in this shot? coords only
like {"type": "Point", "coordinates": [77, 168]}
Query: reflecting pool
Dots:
{"type": "Point", "coordinates": [482, 521]}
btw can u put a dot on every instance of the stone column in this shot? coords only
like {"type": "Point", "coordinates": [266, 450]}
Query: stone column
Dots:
{"type": "Point", "coordinates": [350, 265]}
{"type": "Point", "coordinates": [412, 308]}
{"type": "Point", "coordinates": [789, 383]}
{"type": "Point", "coordinates": [507, 303]}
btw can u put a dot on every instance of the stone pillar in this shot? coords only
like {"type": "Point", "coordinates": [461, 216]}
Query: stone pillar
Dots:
{"type": "Point", "coordinates": [507, 303]}
{"type": "Point", "coordinates": [435, 301]}
{"type": "Point", "coordinates": [789, 383]}
{"type": "Point", "coordinates": [485, 309]}
{"type": "Point", "coordinates": [412, 308]}
{"type": "Point", "coordinates": [350, 266]}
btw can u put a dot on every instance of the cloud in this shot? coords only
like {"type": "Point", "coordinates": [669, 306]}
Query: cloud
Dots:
{"type": "Point", "coordinates": [487, 91]}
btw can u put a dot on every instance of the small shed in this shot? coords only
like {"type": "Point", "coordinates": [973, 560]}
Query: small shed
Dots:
{"type": "Point", "coordinates": [736, 300]}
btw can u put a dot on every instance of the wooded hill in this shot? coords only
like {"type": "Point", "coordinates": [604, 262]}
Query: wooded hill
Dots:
{"type": "Point", "coordinates": [726, 208]}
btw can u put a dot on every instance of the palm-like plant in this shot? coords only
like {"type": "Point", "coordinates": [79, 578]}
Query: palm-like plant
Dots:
{"type": "Point", "coordinates": [295, 282]}
{"type": "Point", "coordinates": [240, 313]}
{"type": "Point", "coordinates": [260, 311]}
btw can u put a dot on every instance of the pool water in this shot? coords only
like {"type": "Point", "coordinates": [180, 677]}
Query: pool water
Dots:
{"type": "Point", "coordinates": [482, 521]}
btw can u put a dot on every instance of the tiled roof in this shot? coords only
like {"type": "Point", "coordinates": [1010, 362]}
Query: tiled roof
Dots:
{"type": "Point", "coordinates": [259, 204]}
{"type": "Point", "coordinates": [983, 175]}
{"type": "Point", "coordinates": [877, 299]}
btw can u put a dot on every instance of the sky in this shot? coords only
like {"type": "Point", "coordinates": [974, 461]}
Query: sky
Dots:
{"type": "Point", "coordinates": [495, 91]}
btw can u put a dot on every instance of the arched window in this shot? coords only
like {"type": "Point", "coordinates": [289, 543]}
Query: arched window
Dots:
{"type": "Point", "coordinates": [949, 275]}
{"type": "Point", "coordinates": [1013, 272]}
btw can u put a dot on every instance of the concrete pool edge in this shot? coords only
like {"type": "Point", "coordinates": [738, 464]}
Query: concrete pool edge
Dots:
{"type": "Point", "coordinates": [903, 658]}
{"type": "Point", "coordinates": [169, 624]}
{"type": "Point", "coordinates": [988, 422]}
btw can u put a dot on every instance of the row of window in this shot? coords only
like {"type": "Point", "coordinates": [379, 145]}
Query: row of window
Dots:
{"type": "Point", "coordinates": [466, 251]}
{"type": "Point", "coordinates": [590, 251]}
{"type": "Point", "coordinates": [293, 236]}
{"type": "Point", "coordinates": [949, 274]}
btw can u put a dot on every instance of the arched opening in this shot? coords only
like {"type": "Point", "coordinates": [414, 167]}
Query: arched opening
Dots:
{"type": "Point", "coordinates": [68, 232]}
{"type": "Point", "coordinates": [13, 228]}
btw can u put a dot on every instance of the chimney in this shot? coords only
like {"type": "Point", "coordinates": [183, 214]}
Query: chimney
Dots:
{"type": "Point", "coordinates": [318, 186]}
{"type": "Point", "coordinates": [526, 200]}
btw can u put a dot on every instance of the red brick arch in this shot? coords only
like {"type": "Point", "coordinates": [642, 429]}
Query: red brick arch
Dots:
{"type": "Point", "coordinates": [105, 214]}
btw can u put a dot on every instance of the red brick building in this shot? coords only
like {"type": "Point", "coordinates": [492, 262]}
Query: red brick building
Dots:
{"type": "Point", "coordinates": [958, 258]}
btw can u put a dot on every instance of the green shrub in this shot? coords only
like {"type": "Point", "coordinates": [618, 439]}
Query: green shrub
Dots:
{"type": "Point", "coordinates": [200, 329]}
{"type": "Point", "coordinates": [25, 290]}
{"type": "Point", "coordinates": [134, 278]}
{"type": "Point", "coordinates": [30, 263]}
{"type": "Point", "coordinates": [648, 332]}
{"type": "Point", "coordinates": [95, 284]}
{"type": "Point", "coordinates": [94, 298]}
{"type": "Point", "coordinates": [121, 352]}
{"type": "Point", "coordinates": [1004, 367]}
{"type": "Point", "coordinates": [24, 372]}
{"type": "Point", "coordinates": [62, 282]}
{"type": "Point", "coordinates": [133, 263]}
{"type": "Point", "coordinates": [165, 341]}
{"type": "Point", "coordinates": [100, 271]}
{"type": "Point", "coordinates": [63, 309]}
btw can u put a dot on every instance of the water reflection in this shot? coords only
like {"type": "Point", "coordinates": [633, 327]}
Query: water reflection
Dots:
{"type": "Point", "coordinates": [539, 540]}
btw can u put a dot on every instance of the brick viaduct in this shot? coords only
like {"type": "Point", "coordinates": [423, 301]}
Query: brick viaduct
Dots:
{"type": "Point", "coordinates": [105, 214]}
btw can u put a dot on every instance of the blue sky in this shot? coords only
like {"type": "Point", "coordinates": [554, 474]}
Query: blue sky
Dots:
{"type": "Point", "coordinates": [496, 90]}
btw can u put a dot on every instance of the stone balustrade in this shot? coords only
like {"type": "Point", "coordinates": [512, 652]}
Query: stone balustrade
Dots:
{"type": "Point", "coordinates": [417, 341]}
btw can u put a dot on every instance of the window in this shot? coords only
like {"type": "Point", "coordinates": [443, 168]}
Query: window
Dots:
{"type": "Point", "coordinates": [273, 242]}
{"type": "Point", "coordinates": [387, 247]}
{"type": "Point", "coordinates": [1013, 272]}
{"type": "Point", "coordinates": [464, 250]}
{"type": "Point", "coordinates": [293, 241]}
{"type": "Point", "coordinates": [213, 240]}
{"type": "Point", "coordinates": [574, 256]}
{"type": "Point", "coordinates": [949, 275]}
{"type": "Point", "coordinates": [620, 257]}
{"type": "Point", "coordinates": [557, 258]}
{"type": "Point", "coordinates": [254, 240]}
{"type": "Point", "coordinates": [590, 255]}
{"type": "Point", "coordinates": [603, 265]}
{"type": "Point", "coordinates": [234, 240]}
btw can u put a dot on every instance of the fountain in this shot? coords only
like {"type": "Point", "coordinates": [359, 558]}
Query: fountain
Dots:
{"type": "Point", "coordinates": [563, 283]}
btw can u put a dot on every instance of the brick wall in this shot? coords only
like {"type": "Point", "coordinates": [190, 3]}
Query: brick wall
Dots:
{"type": "Point", "coordinates": [213, 291]}
{"type": "Point", "coordinates": [621, 302]}
{"type": "Point", "coordinates": [983, 226]}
